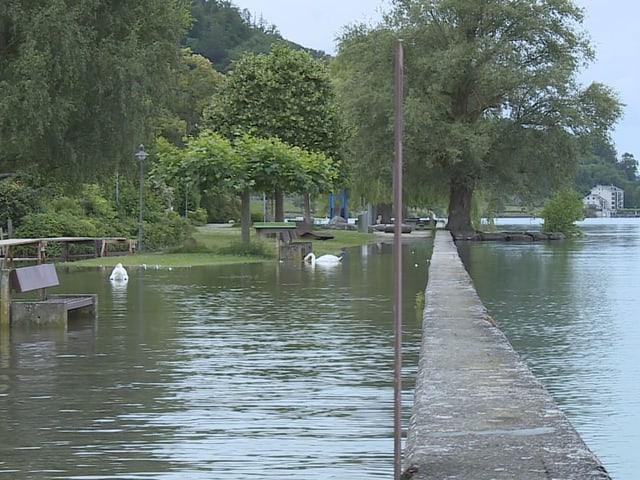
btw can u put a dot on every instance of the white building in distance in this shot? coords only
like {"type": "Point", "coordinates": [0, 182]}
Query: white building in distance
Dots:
{"type": "Point", "coordinates": [604, 200]}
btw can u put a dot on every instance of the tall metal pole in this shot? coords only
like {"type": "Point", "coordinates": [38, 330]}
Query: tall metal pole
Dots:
{"type": "Point", "coordinates": [397, 254]}
{"type": "Point", "coordinates": [140, 205]}
{"type": "Point", "coordinates": [141, 155]}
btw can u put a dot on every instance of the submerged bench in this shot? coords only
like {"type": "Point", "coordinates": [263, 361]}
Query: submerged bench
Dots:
{"type": "Point", "coordinates": [288, 246]}
{"type": "Point", "coordinates": [285, 232]}
{"type": "Point", "coordinates": [48, 309]}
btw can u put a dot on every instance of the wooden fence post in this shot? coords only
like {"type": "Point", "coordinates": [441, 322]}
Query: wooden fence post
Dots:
{"type": "Point", "coordinates": [5, 299]}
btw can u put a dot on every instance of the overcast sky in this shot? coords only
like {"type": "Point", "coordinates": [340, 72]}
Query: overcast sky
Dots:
{"type": "Point", "coordinates": [612, 24]}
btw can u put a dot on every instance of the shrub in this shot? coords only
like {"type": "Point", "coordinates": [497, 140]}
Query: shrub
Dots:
{"type": "Point", "coordinates": [92, 214]}
{"type": "Point", "coordinates": [53, 224]}
{"type": "Point", "coordinates": [171, 231]}
{"type": "Point", "coordinates": [198, 217]}
{"type": "Point", "coordinates": [17, 200]}
{"type": "Point", "coordinates": [220, 208]}
{"type": "Point", "coordinates": [562, 211]}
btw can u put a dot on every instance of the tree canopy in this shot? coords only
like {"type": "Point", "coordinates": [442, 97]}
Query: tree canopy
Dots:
{"type": "Point", "coordinates": [492, 101]}
{"type": "Point", "coordinates": [285, 94]}
{"type": "Point", "coordinates": [81, 81]}
{"type": "Point", "coordinates": [214, 164]}
{"type": "Point", "coordinates": [601, 166]}
{"type": "Point", "coordinates": [223, 33]}
{"type": "Point", "coordinates": [195, 82]}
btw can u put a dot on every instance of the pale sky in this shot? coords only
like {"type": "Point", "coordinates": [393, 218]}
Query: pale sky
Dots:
{"type": "Point", "coordinates": [612, 25]}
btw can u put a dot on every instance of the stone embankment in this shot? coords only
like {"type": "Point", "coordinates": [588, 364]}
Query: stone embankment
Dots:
{"type": "Point", "coordinates": [479, 413]}
{"type": "Point", "coordinates": [533, 236]}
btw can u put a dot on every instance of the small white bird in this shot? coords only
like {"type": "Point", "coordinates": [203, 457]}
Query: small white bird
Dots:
{"type": "Point", "coordinates": [119, 274]}
{"type": "Point", "coordinates": [323, 259]}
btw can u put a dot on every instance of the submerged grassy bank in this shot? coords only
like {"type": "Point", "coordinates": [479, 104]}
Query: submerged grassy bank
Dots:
{"type": "Point", "coordinates": [219, 245]}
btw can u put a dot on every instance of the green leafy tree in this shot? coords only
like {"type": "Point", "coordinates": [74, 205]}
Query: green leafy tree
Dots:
{"type": "Point", "coordinates": [223, 33]}
{"type": "Point", "coordinates": [598, 166]}
{"type": "Point", "coordinates": [363, 73]}
{"type": "Point", "coordinates": [81, 81]}
{"type": "Point", "coordinates": [286, 95]}
{"type": "Point", "coordinates": [491, 102]}
{"type": "Point", "coordinates": [195, 82]}
{"type": "Point", "coordinates": [214, 164]}
{"type": "Point", "coordinates": [561, 212]}
{"type": "Point", "coordinates": [629, 166]}
{"type": "Point", "coordinates": [17, 199]}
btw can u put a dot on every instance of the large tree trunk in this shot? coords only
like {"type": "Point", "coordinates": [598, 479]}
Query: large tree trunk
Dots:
{"type": "Point", "coordinates": [245, 216]}
{"type": "Point", "coordinates": [384, 211]}
{"type": "Point", "coordinates": [459, 223]}
{"type": "Point", "coordinates": [307, 209]}
{"type": "Point", "coordinates": [279, 206]}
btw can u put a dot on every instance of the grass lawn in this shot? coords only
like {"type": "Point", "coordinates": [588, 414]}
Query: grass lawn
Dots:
{"type": "Point", "coordinates": [218, 245]}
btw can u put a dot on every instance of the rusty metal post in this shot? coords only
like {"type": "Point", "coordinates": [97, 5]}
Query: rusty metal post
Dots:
{"type": "Point", "coordinates": [397, 254]}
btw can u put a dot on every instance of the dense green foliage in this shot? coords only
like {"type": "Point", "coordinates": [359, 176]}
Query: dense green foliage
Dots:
{"type": "Point", "coordinates": [491, 100]}
{"type": "Point", "coordinates": [17, 199]}
{"type": "Point", "coordinates": [491, 106]}
{"type": "Point", "coordinates": [81, 81]}
{"type": "Point", "coordinates": [90, 213]}
{"type": "Point", "coordinates": [213, 164]}
{"type": "Point", "coordinates": [195, 82]}
{"type": "Point", "coordinates": [602, 167]}
{"type": "Point", "coordinates": [222, 33]}
{"type": "Point", "coordinates": [285, 94]}
{"type": "Point", "coordinates": [561, 212]}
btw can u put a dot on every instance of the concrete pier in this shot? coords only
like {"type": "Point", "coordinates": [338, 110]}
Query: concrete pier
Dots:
{"type": "Point", "coordinates": [479, 413]}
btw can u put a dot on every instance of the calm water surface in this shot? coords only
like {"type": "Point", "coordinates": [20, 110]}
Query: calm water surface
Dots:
{"type": "Point", "coordinates": [254, 371]}
{"type": "Point", "coordinates": [572, 310]}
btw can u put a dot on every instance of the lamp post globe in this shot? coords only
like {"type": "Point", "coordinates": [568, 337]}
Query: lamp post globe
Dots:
{"type": "Point", "coordinates": [141, 155]}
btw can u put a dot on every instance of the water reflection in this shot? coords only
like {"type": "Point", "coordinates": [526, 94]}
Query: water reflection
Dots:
{"type": "Point", "coordinates": [570, 309]}
{"type": "Point", "coordinates": [263, 371]}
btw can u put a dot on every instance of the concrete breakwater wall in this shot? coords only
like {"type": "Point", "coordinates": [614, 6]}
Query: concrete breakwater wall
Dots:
{"type": "Point", "coordinates": [479, 413]}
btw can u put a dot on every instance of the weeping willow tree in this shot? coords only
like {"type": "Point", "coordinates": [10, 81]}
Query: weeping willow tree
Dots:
{"type": "Point", "coordinates": [80, 82]}
{"type": "Point", "coordinates": [492, 102]}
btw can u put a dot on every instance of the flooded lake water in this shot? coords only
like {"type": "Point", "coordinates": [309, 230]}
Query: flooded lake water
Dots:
{"type": "Point", "coordinates": [249, 371]}
{"type": "Point", "coordinates": [571, 310]}
{"type": "Point", "coordinates": [279, 371]}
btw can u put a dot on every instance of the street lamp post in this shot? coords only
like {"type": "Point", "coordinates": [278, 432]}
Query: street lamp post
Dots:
{"type": "Point", "coordinates": [140, 155]}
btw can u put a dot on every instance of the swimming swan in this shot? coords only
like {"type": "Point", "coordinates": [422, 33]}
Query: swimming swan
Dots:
{"type": "Point", "coordinates": [323, 259]}
{"type": "Point", "coordinates": [119, 273]}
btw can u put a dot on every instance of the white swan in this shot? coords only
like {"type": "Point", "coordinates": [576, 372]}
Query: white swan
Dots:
{"type": "Point", "coordinates": [119, 274]}
{"type": "Point", "coordinates": [323, 259]}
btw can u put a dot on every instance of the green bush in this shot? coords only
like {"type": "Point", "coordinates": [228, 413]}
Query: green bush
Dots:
{"type": "Point", "coordinates": [94, 204]}
{"type": "Point", "coordinates": [221, 208]}
{"type": "Point", "coordinates": [92, 214]}
{"type": "Point", "coordinates": [198, 217]}
{"type": "Point", "coordinates": [170, 232]}
{"type": "Point", "coordinates": [17, 199]}
{"type": "Point", "coordinates": [562, 211]}
{"type": "Point", "coordinates": [53, 224]}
